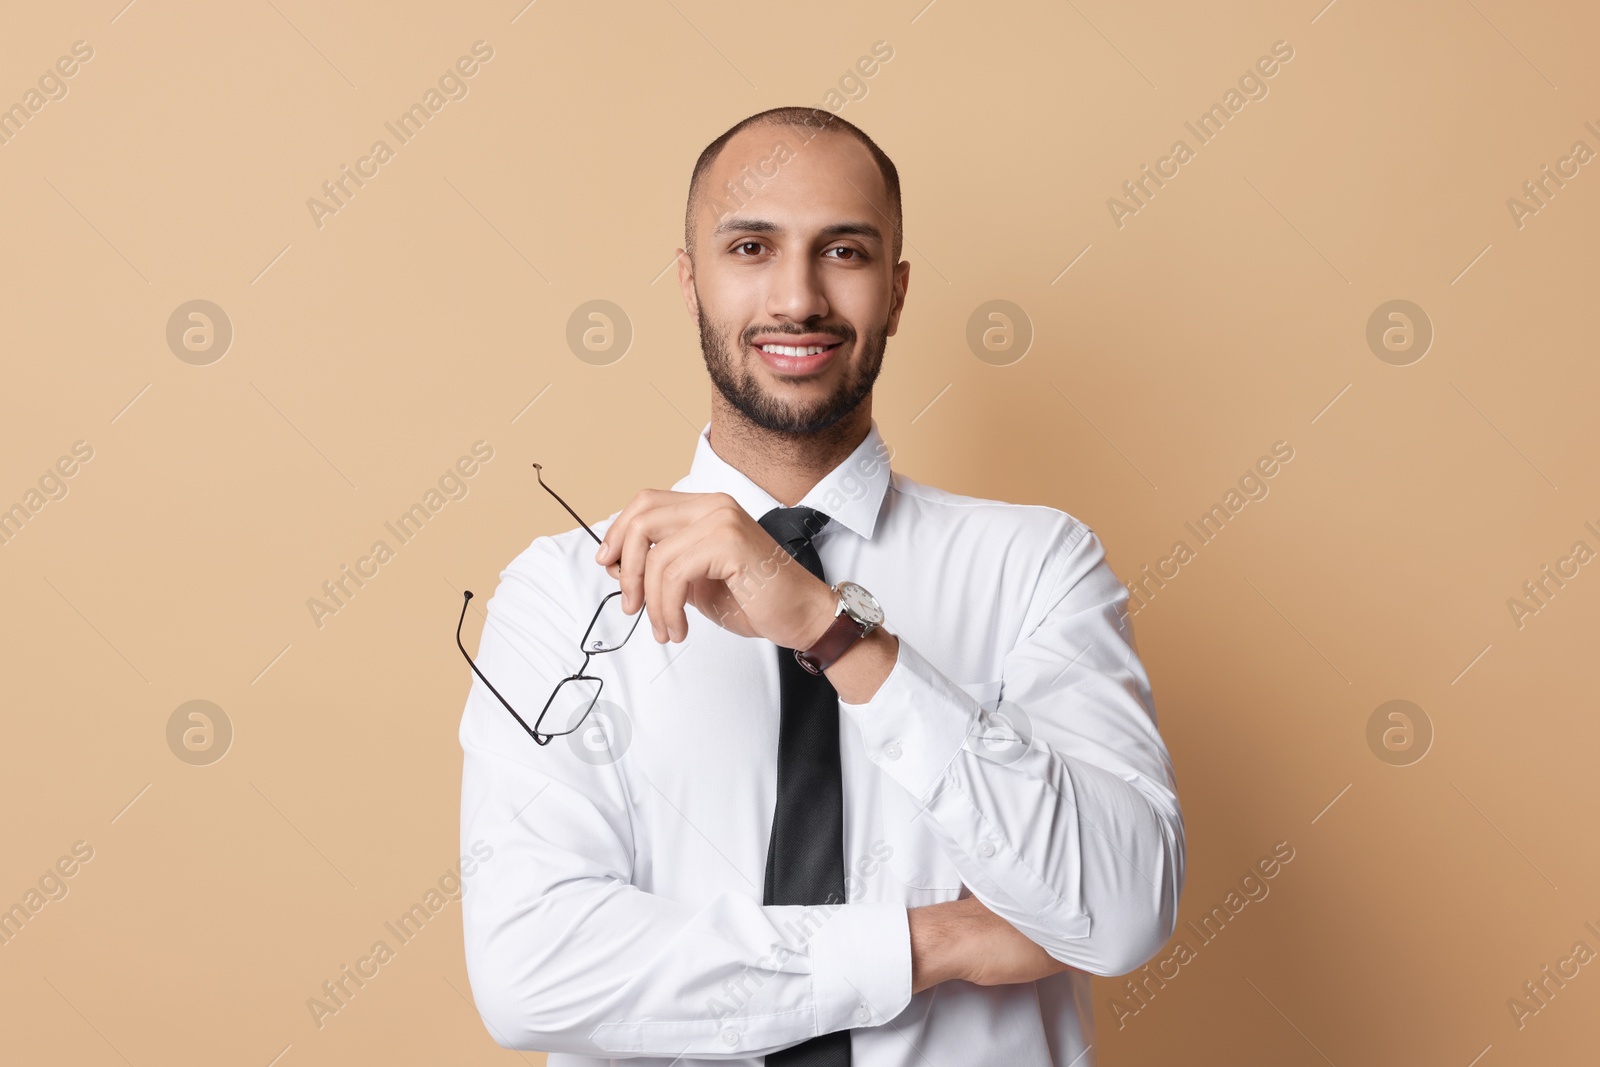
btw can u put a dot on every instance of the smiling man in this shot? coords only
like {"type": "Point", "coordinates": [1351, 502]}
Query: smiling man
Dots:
{"type": "Point", "coordinates": [809, 823]}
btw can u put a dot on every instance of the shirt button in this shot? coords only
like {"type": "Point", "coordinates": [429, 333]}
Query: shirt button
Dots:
{"type": "Point", "coordinates": [862, 1014]}
{"type": "Point", "coordinates": [730, 1037]}
{"type": "Point", "coordinates": [985, 850]}
{"type": "Point", "coordinates": [891, 750]}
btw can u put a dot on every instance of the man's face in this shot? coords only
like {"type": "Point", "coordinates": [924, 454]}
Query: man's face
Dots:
{"type": "Point", "coordinates": [794, 289]}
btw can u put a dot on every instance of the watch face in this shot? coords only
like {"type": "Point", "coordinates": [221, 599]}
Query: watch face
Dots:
{"type": "Point", "coordinates": [860, 604]}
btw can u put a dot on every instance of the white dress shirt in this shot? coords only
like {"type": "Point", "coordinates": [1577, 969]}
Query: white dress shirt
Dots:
{"type": "Point", "coordinates": [1011, 754]}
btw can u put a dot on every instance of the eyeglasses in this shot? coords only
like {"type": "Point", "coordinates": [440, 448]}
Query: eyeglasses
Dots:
{"type": "Point", "coordinates": [578, 693]}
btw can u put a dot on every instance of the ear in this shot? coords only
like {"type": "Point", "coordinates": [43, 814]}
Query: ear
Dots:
{"type": "Point", "coordinates": [686, 284]}
{"type": "Point", "coordinates": [902, 281]}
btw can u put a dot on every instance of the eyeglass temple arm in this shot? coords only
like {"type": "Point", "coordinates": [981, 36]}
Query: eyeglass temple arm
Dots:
{"type": "Point", "coordinates": [538, 473]}
{"type": "Point", "coordinates": [543, 739]}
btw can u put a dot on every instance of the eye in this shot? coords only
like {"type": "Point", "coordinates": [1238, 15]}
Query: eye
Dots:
{"type": "Point", "coordinates": [738, 248]}
{"type": "Point", "coordinates": [854, 253]}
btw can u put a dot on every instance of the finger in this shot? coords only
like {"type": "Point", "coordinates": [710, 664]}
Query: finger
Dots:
{"type": "Point", "coordinates": [706, 570]}
{"type": "Point", "coordinates": [657, 518]}
{"type": "Point", "coordinates": [660, 555]}
{"type": "Point", "coordinates": [607, 551]}
{"type": "Point", "coordinates": [667, 573]}
{"type": "Point", "coordinates": [675, 565]}
{"type": "Point", "coordinates": [609, 548]}
{"type": "Point", "coordinates": [670, 512]}
{"type": "Point", "coordinates": [632, 544]}
{"type": "Point", "coordinates": [650, 518]}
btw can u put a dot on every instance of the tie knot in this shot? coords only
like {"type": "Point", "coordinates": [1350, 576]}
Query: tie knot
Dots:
{"type": "Point", "coordinates": [788, 525]}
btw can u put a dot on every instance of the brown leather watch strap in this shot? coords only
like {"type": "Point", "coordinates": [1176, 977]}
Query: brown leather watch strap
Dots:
{"type": "Point", "coordinates": [834, 642]}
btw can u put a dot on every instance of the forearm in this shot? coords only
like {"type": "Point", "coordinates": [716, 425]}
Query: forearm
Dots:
{"type": "Point", "coordinates": [963, 939]}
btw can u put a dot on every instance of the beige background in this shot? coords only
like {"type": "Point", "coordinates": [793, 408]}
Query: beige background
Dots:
{"type": "Point", "coordinates": [368, 354]}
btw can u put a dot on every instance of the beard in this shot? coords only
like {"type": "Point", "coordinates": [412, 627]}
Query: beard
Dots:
{"type": "Point", "coordinates": [741, 388]}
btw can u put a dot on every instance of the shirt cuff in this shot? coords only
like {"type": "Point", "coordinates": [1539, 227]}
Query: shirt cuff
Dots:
{"type": "Point", "coordinates": [916, 722]}
{"type": "Point", "coordinates": [861, 966]}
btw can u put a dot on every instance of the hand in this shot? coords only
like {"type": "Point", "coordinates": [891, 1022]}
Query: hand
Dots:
{"type": "Point", "coordinates": [964, 939]}
{"type": "Point", "coordinates": [670, 549]}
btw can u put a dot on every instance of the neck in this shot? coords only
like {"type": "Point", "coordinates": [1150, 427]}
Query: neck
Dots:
{"type": "Point", "coordinates": [786, 465]}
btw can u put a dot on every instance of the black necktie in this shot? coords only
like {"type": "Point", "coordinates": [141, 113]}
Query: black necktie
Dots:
{"type": "Point", "coordinates": [805, 858]}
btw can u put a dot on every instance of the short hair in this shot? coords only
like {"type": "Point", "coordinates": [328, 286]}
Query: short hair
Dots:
{"type": "Point", "coordinates": [807, 119]}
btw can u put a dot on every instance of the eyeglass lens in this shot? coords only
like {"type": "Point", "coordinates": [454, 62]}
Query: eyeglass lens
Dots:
{"type": "Point", "coordinates": [571, 703]}
{"type": "Point", "coordinates": [611, 627]}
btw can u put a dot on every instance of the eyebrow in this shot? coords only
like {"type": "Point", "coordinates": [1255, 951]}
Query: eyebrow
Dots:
{"type": "Point", "coordinates": [739, 224]}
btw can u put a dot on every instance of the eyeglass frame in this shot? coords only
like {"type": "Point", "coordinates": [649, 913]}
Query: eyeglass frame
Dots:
{"type": "Point", "coordinates": [579, 676]}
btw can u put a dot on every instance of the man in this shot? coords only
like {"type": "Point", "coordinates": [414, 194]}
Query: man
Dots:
{"type": "Point", "coordinates": [736, 858]}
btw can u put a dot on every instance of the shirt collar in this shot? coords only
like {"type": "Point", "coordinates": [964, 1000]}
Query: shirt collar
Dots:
{"type": "Point", "coordinates": [851, 494]}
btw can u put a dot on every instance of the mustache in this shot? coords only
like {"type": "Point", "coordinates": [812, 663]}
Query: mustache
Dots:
{"type": "Point", "coordinates": [843, 333]}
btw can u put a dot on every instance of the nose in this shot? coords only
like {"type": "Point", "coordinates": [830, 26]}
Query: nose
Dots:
{"type": "Point", "coordinates": [796, 290]}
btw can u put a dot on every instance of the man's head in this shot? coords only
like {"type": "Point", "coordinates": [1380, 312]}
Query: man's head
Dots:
{"type": "Point", "coordinates": [792, 239]}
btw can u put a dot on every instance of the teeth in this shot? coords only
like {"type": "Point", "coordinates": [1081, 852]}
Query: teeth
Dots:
{"type": "Point", "coordinates": [791, 350]}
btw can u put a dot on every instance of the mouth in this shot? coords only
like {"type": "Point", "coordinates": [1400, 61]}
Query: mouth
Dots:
{"type": "Point", "coordinates": [797, 360]}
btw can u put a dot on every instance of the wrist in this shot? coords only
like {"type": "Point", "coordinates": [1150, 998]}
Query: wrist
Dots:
{"type": "Point", "coordinates": [850, 645]}
{"type": "Point", "coordinates": [936, 944]}
{"type": "Point", "coordinates": [865, 665]}
{"type": "Point", "coordinates": [824, 606]}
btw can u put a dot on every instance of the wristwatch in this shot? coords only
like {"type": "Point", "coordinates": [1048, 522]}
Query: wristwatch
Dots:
{"type": "Point", "coordinates": [857, 615]}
